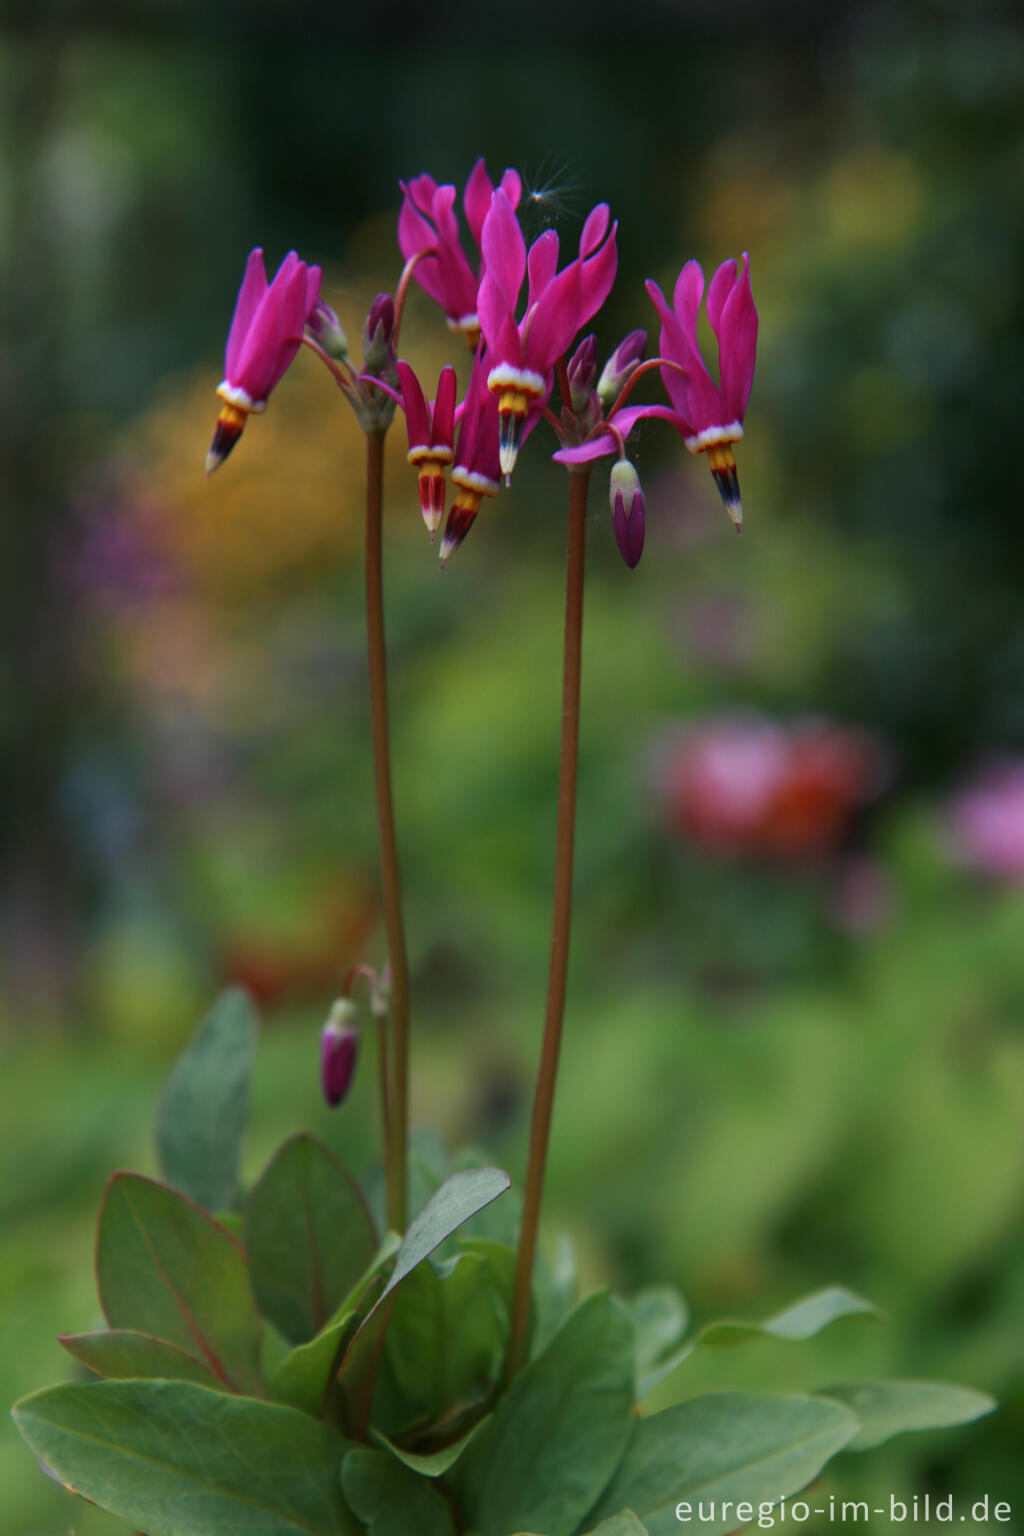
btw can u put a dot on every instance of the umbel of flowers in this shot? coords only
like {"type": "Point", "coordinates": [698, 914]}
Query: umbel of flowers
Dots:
{"type": "Point", "coordinates": [520, 348]}
{"type": "Point", "coordinates": [296, 1357]}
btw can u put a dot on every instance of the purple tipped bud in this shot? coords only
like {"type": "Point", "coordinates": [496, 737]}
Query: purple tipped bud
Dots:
{"type": "Point", "coordinates": [583, 374]}
{"type": "Point", "coordinates": [378, 333]}
{"type": "Point", "coordinates": [339, 1048]}
{"type": "Point", "coordinates": [625, 360]}
{"type": "Point", "coordinates": [627, 502]}
{"type": "Point", "coordinates": [325, 328]}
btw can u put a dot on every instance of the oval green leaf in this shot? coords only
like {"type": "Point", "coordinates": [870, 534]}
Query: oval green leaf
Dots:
{"type": "Point", "coordinates": [558, 1432]}
{"type": "Point", "coordinates": [123, 1355]}
{"type": "Point", "coordinates": [887, 1408]}
{"type": "Point", "coordinates": [728, 1448]}
{"type": "Point", "coordinates": [309, 1237]}
{"type": "Point", "coordinates": [166, 1268]}
{"type": "Point", "coordinates": [201, 1119]}
{"type": "Point", "coordinates": [175, 1459]}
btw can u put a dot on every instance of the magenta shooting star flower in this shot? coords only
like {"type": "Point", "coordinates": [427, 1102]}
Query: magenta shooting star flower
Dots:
{"type": "Point", "coordinates": [429, 228]}
{"type": "Point", "coordinates": [523, 353]}
{"type": "Point", "coordinates": [431, 431]}
{"type": "Point", "coordinates": [477, 467]}
{"type": "Point", "coordinates": [265, 336]}
{"type": "Point", "coordinates": [339, 1048]}
{"type": "Point", "coordinates": [710, 416]}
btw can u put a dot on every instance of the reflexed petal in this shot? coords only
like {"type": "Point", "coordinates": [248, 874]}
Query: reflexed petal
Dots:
{"type": "Point", "coordinates": [738, 346]}
{"type": "Point", "coordinates": [719, 289]}
{"type": "Point", "coordinates": [542, 263]}
{"type": "Point", "coordinates": [504, 248]}
{"type": "Point", "coordinates": [497, 322]}
{"type": "Point", "coordinates": [554, 320]}
{"type": "Point", "coordinates": [598, 275]}
{"type": "Point", "coordinates": [512, 186]}
{"type": "Point", "coordinates": [417, 416]}
{"type": "Point", "coordinates": [444, 213]}
{"type": "Point", "coordinates": [254, 286]}
{"type": "Point", "coordinates": [594, 229]}
{"type": "Point", "coordinates": [443, 423]}
{"type": "Point", "coordinates": [476, 200]}
{"type": "Point", "coordinates": [686, 298]}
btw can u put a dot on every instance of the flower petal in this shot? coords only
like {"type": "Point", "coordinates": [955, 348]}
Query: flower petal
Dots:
{"type": "Point", "coordinates": [594, 229]}
{"type": "Point", "coordinates": [254, 286]}
{"type": "Point", "coordinates": [504, 248]}
{"type": "Point", "coordinates": [476, 200]}
{"type": "Point", "coordinates": [738, 346]}
{"type": "Point", "coordinates": [686, 298]}
{"type": "Point", "coordinates": [542, 264]}
{"type": "Point", "coordinates": [417, 416]}
{"type": "Point", "coordinates": [719, 289]}
{"type": "Point", "coordinates": [442, 425]}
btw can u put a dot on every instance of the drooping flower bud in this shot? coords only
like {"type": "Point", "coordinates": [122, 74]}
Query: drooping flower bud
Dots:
{"type": "Point", "coordinates": [326, 330]}
{"type": "Point", "coordinates": [378, 334]}
{"type": "Point", "coordinates": [339, 1048]}
{"type": "Point", "coordinates": [624, 361]}
{"type": "Point", "coordinates": [627, 503]}
{"type": "Point", "coordinates": [582, 373]}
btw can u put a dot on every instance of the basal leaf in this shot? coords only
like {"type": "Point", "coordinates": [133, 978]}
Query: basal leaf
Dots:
{"type": "Point", "coordinates": [165, 1268]}
{"type": "Point", "coordinates": [175, 1459]}
{"type": "Point", "coordinates": [887, 1408]}
{"type": "Point", "coordinates": [727, 1448]}
{"type": "Point", "coordinates": [459, 1198]}
{"type": "Point", "coordinates": [558, 1432]}
{"type": "Point", "coordinates": [391, 1499]}
{"type": "Point", "coordinates": [436, 1463]}
{"type": "Point", "coordinates": [201, 1119]}
{"type": "Point", "coordinates": [660, 1316]}
{"type": "Point", "coordinates": [309, 1237]}
{"type": "Point", "coordinates": [121, 1354]}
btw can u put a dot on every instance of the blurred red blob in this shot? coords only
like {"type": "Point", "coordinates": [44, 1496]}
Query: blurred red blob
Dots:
{"type": "Point", "coordinates": [986, 822]}
{"type": "Point", "coordinates": [744, 784]}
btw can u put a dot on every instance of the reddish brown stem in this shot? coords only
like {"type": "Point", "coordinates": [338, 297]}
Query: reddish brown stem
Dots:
{"type": "Point", "coordinates": [398, 1096]}
{"type": "Point", "coordinates": [560, 926]}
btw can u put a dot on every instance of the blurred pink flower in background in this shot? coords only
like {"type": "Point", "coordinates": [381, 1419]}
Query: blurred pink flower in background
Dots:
{"type": "Point", "coordinates": [986, 821]}
{"type": "Point", "coordinates": [746, 784]}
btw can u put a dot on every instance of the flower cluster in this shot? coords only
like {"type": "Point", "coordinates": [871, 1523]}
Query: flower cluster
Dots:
{"type": "Point", "coordinates": [519, 349]}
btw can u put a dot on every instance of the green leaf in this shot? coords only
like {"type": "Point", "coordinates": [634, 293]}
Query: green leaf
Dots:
{"type": "Point", "coordinates": [887, 1408]}
{"type": "Point", "coordinates": [309, 1237]}
{"type": "Point", "coordinates": [121, 1354]}
{"type": "Point", "coordinates": [437, 1463]}
{"type": "Point", "coordinates": [728, 1447]}
{"type": "Point", "coordinates": [802, 1320]}
{"type": "Point", "coordinates": [798, 1322]}
{"type": "Point", "coordinates": [558, 1432]}
{"type": "Point", "coordinates": [391, 1499]}
{"type": "Point", "coordinates": [555, 1292]}
{"type": "Point", "coordinates": [660, 1316]}
{"type": "Point", "coordinates": [302, 1375]}
{"type": "Point", "coordinates": [165, 1268]}
{"type": "Point", "coordinates": [625, 1523]}
{"type": "Point", "coordinates": [446, 1339]}
{"type": "Point", "coordinates": [201, 1119]}
{"type": "Point", "coordinates": [175, 1459]}
{"type": "Point", "coordinates": [459, 1198]}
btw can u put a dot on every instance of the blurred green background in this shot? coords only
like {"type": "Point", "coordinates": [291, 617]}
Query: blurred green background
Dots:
{"type": "Point", "coordinates": [793, 1057]}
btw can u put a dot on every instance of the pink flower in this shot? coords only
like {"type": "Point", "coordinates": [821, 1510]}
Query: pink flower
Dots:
{"type": "Point", "coordinates": [710, 416]}
{"type": "Point", "coordinates": [265, 336]}
{"type": "Point", "coordinates": [750, 785]}
{"type": "Point", "coordinates": [431, 430]}
{"type": "Point", "coordinates": [477, 460]}
{"type": "Point", "coordinates": [986, 822]}
{"type": "Point", "coordinates": [627, 501]}
{"type": "Point", "coordinates": [427, 223]}
{"type": "Point", "coordinates": [522, 354]}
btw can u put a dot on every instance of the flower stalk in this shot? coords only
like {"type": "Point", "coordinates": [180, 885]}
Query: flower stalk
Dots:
{"type": "Point", "coordinates": [397, 1098]}
{"type": "Point", "coordinates": [558, 966]}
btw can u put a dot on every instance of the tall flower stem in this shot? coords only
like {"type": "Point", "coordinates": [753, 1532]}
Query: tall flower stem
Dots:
{"type": "Point", "coordinates": [398, 1098]}
{"type": "Point", "coordinates": [560, 925]}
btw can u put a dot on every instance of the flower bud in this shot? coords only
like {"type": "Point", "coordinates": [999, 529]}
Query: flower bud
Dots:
{"type": "Point", "coordinates": [625, 360]}
{"type": "Point", "coordinates": [325, 328]}
{"type": "Point", "coordinates": [582, 374]}
{"type": "Point", "coordinates": [627, 502]}
{"type": "Point", "coordinates": [378, 333]}
{"type": "Point", "coordinates": [339, 1047]}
